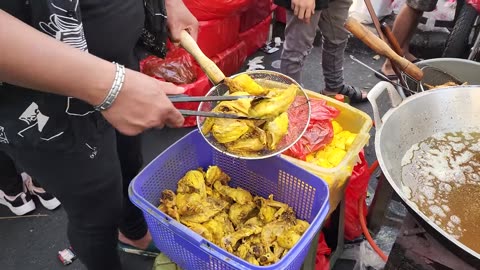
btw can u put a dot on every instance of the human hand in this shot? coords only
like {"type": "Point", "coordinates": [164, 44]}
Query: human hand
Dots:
{"type": "Point", "coordinates": [143, 104]}
{"type": "Point", "coordinates": [180, 18]}
{"type": "Point", "coordinates": [303, 9]}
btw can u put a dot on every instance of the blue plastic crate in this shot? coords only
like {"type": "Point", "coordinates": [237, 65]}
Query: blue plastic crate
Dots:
{"type": "Point", "coordinates": [304, 192]}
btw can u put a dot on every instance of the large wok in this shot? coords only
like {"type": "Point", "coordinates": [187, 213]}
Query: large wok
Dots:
{"type": "Point", "coordinates": [413, 120]}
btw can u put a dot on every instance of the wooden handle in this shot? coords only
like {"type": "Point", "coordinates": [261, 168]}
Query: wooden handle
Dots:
{"type": "Point", "coordinates": [382, 48]}
{"type": "Point", "coordinates": [392, 39]}
{"type": "Point", "coordinates": [208, 66]}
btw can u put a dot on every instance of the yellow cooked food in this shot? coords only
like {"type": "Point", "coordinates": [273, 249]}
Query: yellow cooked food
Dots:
{"type": "Point", "coordinates": [251, 137]}
{"type": "Point", "coordinates": [259, 230]}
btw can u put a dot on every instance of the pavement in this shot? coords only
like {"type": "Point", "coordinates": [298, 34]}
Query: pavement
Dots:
{"type": "Point", "coordinates": [33, 242]}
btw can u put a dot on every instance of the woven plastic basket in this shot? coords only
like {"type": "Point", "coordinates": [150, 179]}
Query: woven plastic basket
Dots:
{"type": "Point", "coordinates": [304, 192]}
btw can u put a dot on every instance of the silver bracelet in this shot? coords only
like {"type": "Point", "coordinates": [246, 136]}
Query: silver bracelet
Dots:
{"type": "Point", "coordinates": [115, 90]}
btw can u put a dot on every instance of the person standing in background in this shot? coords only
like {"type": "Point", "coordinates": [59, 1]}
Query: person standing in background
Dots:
{"type": "Point", "coordinates": [303, 18]}
{"type": "Point", "coordinates": [403, 29]}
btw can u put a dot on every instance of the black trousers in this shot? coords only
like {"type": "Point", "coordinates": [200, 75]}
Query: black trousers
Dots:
{"type": "Point", "coordinates": [10, 179]}
{"type": "Point", "coordinates": [90, 177]}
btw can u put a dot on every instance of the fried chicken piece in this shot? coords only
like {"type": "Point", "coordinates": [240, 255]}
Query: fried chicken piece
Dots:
{"type": "Point", "coordinates": [213, 174]}
{"type": "Point", "coordinates": [168, 204]}
{"type": "Point", "coordinates": [273, 229]}
{"type": "Point", "coordinates": [249, 144]}
{"type": "Point", "coordinates": [219, 226]}
{"type": "Point", "coordinates": [226, 130]}
{"type": "Point", "coordinates": [267, 259]}
{"type": "Point", "coordinates": [243, 250]}
{"type": "Point", "coordinates": [291, 236]}
{"type": "Point", "coordinates": [252, 260]}
{"type": "Point", "coordinates": [239, 106]}
{"type": "Point", "coordinates": [254, 221]}
{"type": "Point", "coordinates": [275, 130]}
{"type": "Point", "coordinates": [269, 208]}
{"type": "Point", "coordinates": [245, 83]}
{"type": "Point", "coordinates": [192, 182]}
{"type": "Point", "coordinates": [206, 210]}
{"type": "Point", "coordinates": [239, 213]}
{"type": "Point", "coordinates": [278, 103]}
{"type": "Point", "coordinates": [201, 230]}
{"type": "Point", "coordinates": [230, 241]}
{"type": "Point", "coordinates": [188, 204]}
{"type": "Point", "coordinates": [238, 194]}
{"type": "Point", "coordinates": [277, 250]}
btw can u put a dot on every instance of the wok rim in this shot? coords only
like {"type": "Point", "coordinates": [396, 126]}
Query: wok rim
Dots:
{"type": "Point", "coordinates": [274, 153]}
{"type": "Point", "coordinates": [389, 178]}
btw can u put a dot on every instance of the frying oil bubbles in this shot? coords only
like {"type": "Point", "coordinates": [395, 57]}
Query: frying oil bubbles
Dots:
{"type": "Point", "coordinates": [440, 175]}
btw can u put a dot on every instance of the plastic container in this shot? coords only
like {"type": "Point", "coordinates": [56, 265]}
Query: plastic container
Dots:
{"type": "Point", "coordinates": [304, 192]}
{"type": "Point", "coordinates": [256, 37]}
{"type": "Point", "coordinates": [350, 119]}
{"type": "Point", "coordinates": [216, 36]}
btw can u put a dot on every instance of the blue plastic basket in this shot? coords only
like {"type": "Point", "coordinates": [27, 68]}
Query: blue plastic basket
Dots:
{"type": "Point", "coordinates": [304, 192]}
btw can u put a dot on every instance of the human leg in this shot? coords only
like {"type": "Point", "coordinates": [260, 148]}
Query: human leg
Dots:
{"type": "Point", "coordinates": [298, 44]}
{"type": "Point", "coordinates": [405, 25]}
{"type": "Point", "coordinates": [133, 228]}
{"type": "Point", "coordinates": [87, 179]}
{"type": "Point", "coordinates": [335, 38]}
{"type": "Point", "coordinates": [13, 193]}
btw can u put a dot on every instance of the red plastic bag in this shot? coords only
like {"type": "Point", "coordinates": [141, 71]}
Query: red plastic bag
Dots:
{"type": "Point", "coordinates": [216, 36]}
{"type": "Point", "coordinates": [177, 67]}
{"type": "Point", "coordinates": [356, 188]}
{"type": "Point", "coordinates": [256, 13]}
{"type": "Point", "coordinates": [319, 132]}
{"type": "Point", "coordinates": [323, 251]}
{"type": "Point", "coordinates": [231, 60]}
{"type": "Point", "coordinates": [199, 87]}
{"type": "Point", "coordinates": [256, 36]}
{"type": "Point", "coordinates": [205, 10]}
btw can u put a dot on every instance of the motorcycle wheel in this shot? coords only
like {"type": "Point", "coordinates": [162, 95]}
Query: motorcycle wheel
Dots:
{"type": "Point", "coordinates": [457, 45]}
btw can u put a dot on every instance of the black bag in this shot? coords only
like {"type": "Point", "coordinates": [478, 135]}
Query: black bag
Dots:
{"type": "Point", "coordinates": [154, 36]}
{"type": "Point", "coordinates": [319, 4]}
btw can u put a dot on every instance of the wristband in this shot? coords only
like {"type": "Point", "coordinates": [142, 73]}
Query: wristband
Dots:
{"type": "Point", "coordinates": [115, 90]}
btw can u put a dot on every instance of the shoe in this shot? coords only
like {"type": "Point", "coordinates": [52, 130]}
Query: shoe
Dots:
{"type": "Point", "coordinates": [19, 204]}
{"type": "Point", "coordinates": [46, 199]}
{"type": "Point", "coordinates": [150, 251]}
{"type": "Point", "coordinates": [354, 94]}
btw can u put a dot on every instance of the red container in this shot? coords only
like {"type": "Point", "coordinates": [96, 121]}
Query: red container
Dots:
{"type": "Point", "coordinates": [256, 36]}
{"type": "Point", "coordinates": [281, 14]}
{"type": "Point", "coordinates": [231, 60]}
{"type": "Point", "coordinates": [258, 11]}
{"type": "Point", "coordinates": [216, 36]}
{"type": "Point", "coordinates": [205, 10]}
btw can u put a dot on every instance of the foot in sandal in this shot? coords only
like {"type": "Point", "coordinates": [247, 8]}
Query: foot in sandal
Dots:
{"type": "Point", "coordinates": [354, 94]}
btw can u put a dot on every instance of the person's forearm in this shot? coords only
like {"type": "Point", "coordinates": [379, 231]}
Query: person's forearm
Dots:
{"type": "Point", "coordinates": [34, 60]}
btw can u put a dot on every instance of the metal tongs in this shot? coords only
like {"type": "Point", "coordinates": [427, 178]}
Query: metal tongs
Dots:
{"type": "Point", "coordinates": [183, 98]}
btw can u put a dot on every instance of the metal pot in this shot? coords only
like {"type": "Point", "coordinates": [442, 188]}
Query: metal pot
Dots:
{"type": "Point", "coordinates": [413, 120]}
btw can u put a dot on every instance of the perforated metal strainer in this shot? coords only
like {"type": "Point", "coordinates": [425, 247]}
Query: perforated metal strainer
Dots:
{"type": "Point", "coordinates": [298, 112]}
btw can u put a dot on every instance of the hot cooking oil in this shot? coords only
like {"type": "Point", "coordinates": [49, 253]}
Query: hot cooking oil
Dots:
{"type": "Point", "coordinates": [441, 175]}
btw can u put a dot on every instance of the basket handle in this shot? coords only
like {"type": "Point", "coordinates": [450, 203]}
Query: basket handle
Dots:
{"type": "Point", "coordinates": [376, 91]}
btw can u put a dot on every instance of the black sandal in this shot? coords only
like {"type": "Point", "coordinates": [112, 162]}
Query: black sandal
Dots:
{"type": "Point", "coordinates": [354, 94]}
